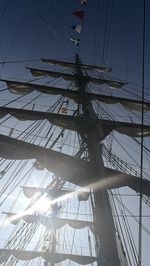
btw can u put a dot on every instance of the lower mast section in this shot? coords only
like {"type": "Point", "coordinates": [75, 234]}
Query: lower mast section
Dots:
{"type": "Point", "coordinates": [105, 230]}
{"type": "Point", "coordinates": [107, 252]}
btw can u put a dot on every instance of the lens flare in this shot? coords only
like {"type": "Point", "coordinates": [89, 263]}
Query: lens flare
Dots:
{"type": "Point", "coordinates": [42, 203]}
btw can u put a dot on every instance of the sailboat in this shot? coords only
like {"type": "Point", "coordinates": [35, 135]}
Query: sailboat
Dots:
{"type": "Point", "coordinates": [71, 207]}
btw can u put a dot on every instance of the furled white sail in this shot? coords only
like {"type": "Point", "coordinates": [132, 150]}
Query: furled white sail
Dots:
{"type": "Point", "coordinates": [50, 222]}
{"type": "Point", "coordinates": [23, 88]}
{"type": "Point", "coordinates": [29, 192]}
{"type": "Point", "coordinates": [72, 65]}
{"type": "Point", "coordinates": [136, 106]}
{"type": "Point", "coordinates": [110, 83]}
{"type": "Point", "coordinates": [25, 255]}
{"type": "Point", "coordinates": [71, 169]}
{"type": "Point", "coordinates": [76, 123]}
{"type": "Point", "coordinates": [42, 73]}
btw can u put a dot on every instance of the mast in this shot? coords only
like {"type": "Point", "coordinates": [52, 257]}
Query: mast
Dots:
{"type": "Point", "coordinates": [105, 229]}
{"type": "Point", "coordinates": [89, 173]}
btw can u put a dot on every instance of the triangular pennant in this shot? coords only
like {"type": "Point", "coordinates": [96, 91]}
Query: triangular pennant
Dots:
{"type": "Point", "coordinates": [83, 2]}
{"type": "Point", "coordinates": [79, 14]}
{"type": "Point", "coordinates": [75, 41]}
{"type": "Point", "coordinates": [77, 28]}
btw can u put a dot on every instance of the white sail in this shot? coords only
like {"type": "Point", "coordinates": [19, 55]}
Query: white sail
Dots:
{"type": "Point", "coordinates": [29, 192]}
{"type": "Point", "coordinates": [57, 258]}
{"type": "Point", "coordinates": [72, 65]}
{"type": "Point", "coordinates": [50, 222]}
{"type": "Point", "coordinates": [23, 88]}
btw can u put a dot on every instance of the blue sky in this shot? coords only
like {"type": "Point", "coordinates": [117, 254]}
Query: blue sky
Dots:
{"type": "Point", "coordinates": [111, 35]}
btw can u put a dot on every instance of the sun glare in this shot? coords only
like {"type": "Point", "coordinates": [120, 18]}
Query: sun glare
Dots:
{"type": "Point", "coordinates": [42, 204]}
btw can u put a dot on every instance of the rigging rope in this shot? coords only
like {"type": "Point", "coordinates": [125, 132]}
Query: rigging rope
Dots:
{"type": "Point", "coordinates": [142, 137]}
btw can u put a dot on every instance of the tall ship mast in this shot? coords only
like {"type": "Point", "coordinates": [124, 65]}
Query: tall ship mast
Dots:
{"type": "Point", "coordinates": [66, 194]}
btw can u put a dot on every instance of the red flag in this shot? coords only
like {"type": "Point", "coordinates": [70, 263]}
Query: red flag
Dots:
{"type": "Point", "coordinates": [79, 14]}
